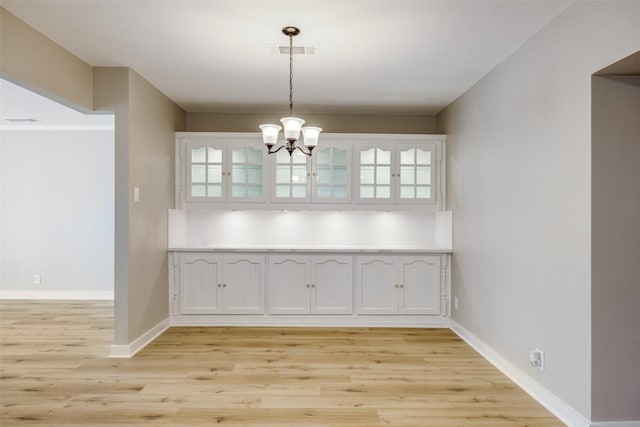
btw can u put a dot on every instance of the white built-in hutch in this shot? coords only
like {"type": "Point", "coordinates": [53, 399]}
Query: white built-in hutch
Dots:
{"type": "Point", "coordinates": [355, 235]}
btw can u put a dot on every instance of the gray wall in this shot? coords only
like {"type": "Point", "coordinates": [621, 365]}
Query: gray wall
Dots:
{"type": "Point", "coordinates": [519, 178]}
{"type": "Point", "coordinates": [144, 124]}
{"type": "Point", "coordinates": [615, 256]}
{"type": "Point", "coordinates": [57, 213]}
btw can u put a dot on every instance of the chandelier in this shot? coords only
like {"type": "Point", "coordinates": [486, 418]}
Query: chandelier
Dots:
{"type": "Point", "coordinates": [292, 125]}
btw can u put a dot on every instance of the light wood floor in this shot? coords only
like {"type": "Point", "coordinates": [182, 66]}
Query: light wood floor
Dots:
{"type": "Point", "coordinates": [55, 372]}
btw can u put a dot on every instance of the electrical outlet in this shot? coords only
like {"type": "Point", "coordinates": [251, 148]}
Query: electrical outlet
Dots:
{"type": "Point", "coordinates": [36, 279]}
{"type": "Point", "coordinates": [536, 359]}
{"type": "Point", "coordinates": [455, 303]}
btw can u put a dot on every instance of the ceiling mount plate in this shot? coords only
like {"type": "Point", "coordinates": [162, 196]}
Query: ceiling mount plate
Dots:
{"type": "Point", "coordinates": [290, 31]}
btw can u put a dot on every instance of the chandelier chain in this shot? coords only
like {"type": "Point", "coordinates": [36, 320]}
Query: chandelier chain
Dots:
{"type": "Point", "coordinates": [290, 75]}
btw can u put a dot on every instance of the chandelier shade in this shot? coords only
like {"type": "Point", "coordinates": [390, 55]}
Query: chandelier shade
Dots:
{"type": "Point", "coordinates": [292, 125]}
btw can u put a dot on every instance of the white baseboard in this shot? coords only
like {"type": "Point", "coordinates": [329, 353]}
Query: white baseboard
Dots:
{"type": "Point", "coordinates": [331, 321]}
{"type": "Point", "coordinates": [57, 295]}
{"type": "Point", "coordinates": [616, 424]}
{"type": "Point", "coordinates": [546, 398]}
{"type": "Point", "coordinates": [128, 351]}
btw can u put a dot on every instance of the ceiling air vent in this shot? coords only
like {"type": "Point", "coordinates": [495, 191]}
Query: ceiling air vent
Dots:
{"type": "Point", "coordinates": [21, 120]}
{"type": "Point", "coordinates": [297, 50]}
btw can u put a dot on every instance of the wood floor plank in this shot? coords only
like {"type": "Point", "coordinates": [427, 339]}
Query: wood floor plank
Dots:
{"type": "Point", "coordinates": [54, 371]}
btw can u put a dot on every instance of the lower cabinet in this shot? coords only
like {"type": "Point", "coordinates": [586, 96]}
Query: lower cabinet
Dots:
{"type": "Point", "coordinates": [348, 288]}
{"type": "Point", "coordinates": [317, 284]}
{"type": "Point", "coordinates": [398, 284]}
{"type": "Point", "coordinates": [221, 284]}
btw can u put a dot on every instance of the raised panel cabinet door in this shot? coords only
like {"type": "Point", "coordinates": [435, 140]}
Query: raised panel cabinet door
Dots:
{"type": "Point", "coordinates": [419, 285]}
{"type": "Point", "coordinates": [376, 285]}
{"type": "Point", "coordinates": [289, 284]}
{"type": "Point", "coordinates": [332, 284]}
{"type": "Point", "coordinates": [243, 284]}
{"type": "Point", "coordinates": [199, 279]}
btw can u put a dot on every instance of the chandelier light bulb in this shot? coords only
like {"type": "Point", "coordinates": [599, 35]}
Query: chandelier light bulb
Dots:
{"type": "Point", "coordinates": [311, 135]}
{"type": "Point", "coordinates": [270, 134]}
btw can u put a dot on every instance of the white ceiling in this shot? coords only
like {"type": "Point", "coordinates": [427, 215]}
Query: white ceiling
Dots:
{"type": "Point", "coordinates": [384, 57]}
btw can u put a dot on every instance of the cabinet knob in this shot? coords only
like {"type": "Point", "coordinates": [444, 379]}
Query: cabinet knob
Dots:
{"type": "Point", "coordinates": [313, 286]}
{"type": "Point", "coordinates": [401, 285]}
{"type": "Point", "coordinates": [308, 285]}
{"type": "Point", "coordinates": [219, 285]}
{"type": "Point", "coordinates": [397, 285]}
{"type": "Point", "coordinates": [224, 285]}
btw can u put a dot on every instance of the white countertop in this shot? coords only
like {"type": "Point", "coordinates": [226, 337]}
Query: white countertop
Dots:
{"type": "Point", "coordinates": [276, 248]}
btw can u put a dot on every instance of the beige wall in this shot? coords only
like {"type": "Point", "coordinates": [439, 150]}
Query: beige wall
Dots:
{"type": "Point", "coordinates": [33, 61]}
{"type": "Point", "coordinates": [153, 120]}
{"type": "Point", "coordinates": [145, 124]}
{"type": "Point", "coordinates": [615, 240]}
{"type": "Point", "coordinates": [518, 181]}
{"type": "Point", "coordinates": [334, 123]}
{"type": "Point", "coordinates": [111, 93]}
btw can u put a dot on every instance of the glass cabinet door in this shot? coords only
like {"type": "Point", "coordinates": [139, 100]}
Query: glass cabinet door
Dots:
{"type": "Point", "coordinates": [291, 177]}
{"type": "Point", "coordinates": [331, 176]}
{"type": "Point", "coordinates": [204, 172]}
{"type": "Point", "coordinates": [416, 173]}
{"type": "Point", "coordinates": [374, 174]}
{"type": "Point", "coordinates": [225, 171]}
{"type": "Point", "coordinates": [248, 173]}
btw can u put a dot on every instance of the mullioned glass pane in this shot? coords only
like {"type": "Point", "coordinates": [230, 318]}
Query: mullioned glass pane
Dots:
{"type": "Point", "coordinates": [198, 173]}
{"type": "Point", "coordinates": [214, 190]}
{"type": "Point", "coordinates": [383, 157]}
{"type": "Point", "coordinates": [383, 175]}
{"type": "Point", "coordinates": [368, 157]}
{"type": "Point", "coordinates": [339, 156]}
{"type": "Point", "coordinates": [239, 155]}
{"type": "Point", "coordinates": [198, 191]}
{"type": "Point", "coordinates": [367, 192]}
{"type": "Point", "coordinates": [339, 175]}
{"type": "Point", "coordinates": [407, 157]}
{"type": "Point", "coordinates": [407, 175]}
{"type": "Point", "coordinates": [214, 174]}
{"type": "Point", "coordinates": [383, 192]}
{"type": "Point", "coordinates": [198, 155]}
{"type": "Point", "coordinates": [282, 191]}
{"type": "Point", "coordinates": [238, 190]}
{"type": "Point", "coordinates": [215, 155]}
{"type": "Point", "coordinates": [424, 157]}
{"type": "Point", "coordinates": [283, 174]}
{"type": "Point", "coordinates": [407, 191]}
{"type": "Point", "coordinates": [367, 174]}
{"type": "Point", "coordinates": [423, 192]}
{"type": "Point", "coordinates": [423, 175]}
{"type": "Point", "coordinates": [238, 174]}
